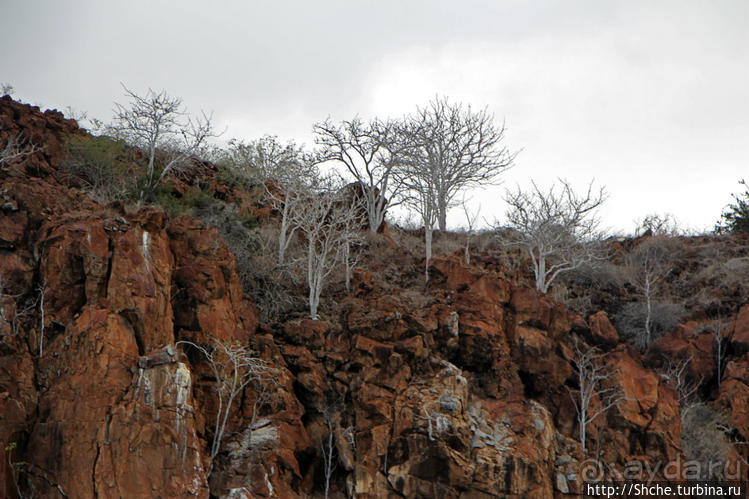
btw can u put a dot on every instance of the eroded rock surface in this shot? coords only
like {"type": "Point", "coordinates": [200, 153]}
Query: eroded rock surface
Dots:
{"type": "Point", "coordinates": [462, 390]}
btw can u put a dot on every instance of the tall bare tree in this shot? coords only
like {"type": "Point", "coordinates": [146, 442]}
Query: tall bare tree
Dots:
{"type": "Point", "coordinates": [594, 395]}
{"type": "Point", "coordinates": [287, 172]}
{"type": "Point", "coordinates": [459, 147]}
{"type": "Point", "coordinates": [287, 198]}
{"type": "Point", "coordinates": [327, 447]}
{"type": "Point", "coordinates": [421, 196]}
{"type": "Point", "coordinates": [558, 229]}
{"type": "Point", "coordinates": [234, 367]}
{"type": "Point", "coordinates": [471, 222]}
{"type": "Point", "coordinates": [369, 152]}
{"type": "Point", "coordinates": [648, 266]}
{"type": "Point", "coordinates": [328, 219]}
{"type": "Point", "coordinates": [158, 124]}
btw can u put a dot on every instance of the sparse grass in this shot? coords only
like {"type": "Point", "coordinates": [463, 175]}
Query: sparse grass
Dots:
{"type": "Point", "coordinates": [98, 165]}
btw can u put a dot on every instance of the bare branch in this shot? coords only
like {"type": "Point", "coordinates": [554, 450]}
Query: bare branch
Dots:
{"type": "Point", "coordinates": [471, 219]}
{"type": "Point", "coordinates": [234, 367]}
{"type": "Point", "coordinates": [158, 124]}
{"type": "Point", "coordinates": [458, 146]}
{"type": "Point", "coordinates": [268, 159]}
{"type": "Point", "coordinates": [594, 395]}
{"type": "Point", "coordinates": [370, 153]}
{"type": "Point", "coordinates": [17, 150]}
{"type": "Point", "coordinates": [328, 218]}
{"type": "Point", "coordinates": [559, 230]}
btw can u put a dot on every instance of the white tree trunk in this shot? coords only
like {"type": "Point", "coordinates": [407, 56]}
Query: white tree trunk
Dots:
{"type": "Point", "coordinates": [428, 247]}
{"type": "Point", "coordinates": [347, 261]}
{"type": "Point", "coordinates": [541, 273]}
{"type": "Point", "coordinates": [282, 234]}
{"type": "Point", "coordinates": [442, 213]}
{"type": "Point", "coordinates": [311, 279]}
{"type": "Point", "coordinates": [649, 304]}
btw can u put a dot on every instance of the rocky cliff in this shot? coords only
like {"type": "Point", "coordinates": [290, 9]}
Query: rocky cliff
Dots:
{"type": "Point", "coordinates": [459, 390]}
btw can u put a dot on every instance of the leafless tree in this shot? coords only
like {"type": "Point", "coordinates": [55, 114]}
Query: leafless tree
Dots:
{"type": "Point", "coordinates": [327, 447]}
{"type": "Point", "coordinates": [594, 395]}
{"type": "Point", "coordinates": [647, 267]}
{"type": "Point", "coordinates": [17, 149]}
{"type": "Point", "coordinates": [6, 89]}
{"type": "Point", "coordinates": [558, 229]}
{"type": "Point", "coordinates": [328, 220]}
{"type": "Point", "coordinates": [158, 124]}
{"type": "Point", "coordinates": [458, 146]}
{"type": "Point", "coordinates": [351, 256]}
{"type": "Point", "coordinates": [658, 224]}
{"type": "Point", "coordinates": [287, 197]}
{"type": "Point", "coordinates": [287, 173]}
{"type": "Point", "coordinates": [234, 367]}
{"type": "Point", "coordinates": [370, 153]}
{"type": "Point", "coordinates": [717, 328]}
{"type": "Point", "coordinates": [422, 198]}
{"type": "Point", "coordinates": [287, 206]}
{"type": "Point", "coordinates": [471, 219]}
{"type": "Point", "coordinates": [267, 158]}
{"type": "Point", "coordinates": [675, 374]}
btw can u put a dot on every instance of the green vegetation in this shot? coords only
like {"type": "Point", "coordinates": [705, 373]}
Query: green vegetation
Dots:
{"type": "Point", "coordinates": [16, 467]}
{"type": "Point", "coordinates": [735, 219]}
{"type": "Point", "coordinates": [98, 164]}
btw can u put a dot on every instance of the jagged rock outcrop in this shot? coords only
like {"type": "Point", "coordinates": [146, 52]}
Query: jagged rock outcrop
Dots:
{"type": "Point", "coordinates": [461, 390]}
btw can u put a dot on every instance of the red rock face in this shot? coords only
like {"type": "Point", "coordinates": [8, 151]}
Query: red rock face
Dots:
{"type": "Point", "coordinates": [462, 390]}
{"type": "Point", "coordinates": [602, 332]}
{"type": "Point", "coordinates": [740, 335]}
{"type": "Point", "coordinates": [85, 411]}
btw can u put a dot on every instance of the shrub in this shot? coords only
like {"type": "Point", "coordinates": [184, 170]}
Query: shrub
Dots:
{"type": "Point", "coordinates": [261, 278]}
{"type": "Point", "coordinates": [630, 321]}
{"type": "Point", "coordinates": [736, 217]}
{"type": "Point", "coordinates": [703, 440]}
{"type": "Point", "coordinates": [658, 224]}
{"type": "Point", "coordinates": [97, 164]}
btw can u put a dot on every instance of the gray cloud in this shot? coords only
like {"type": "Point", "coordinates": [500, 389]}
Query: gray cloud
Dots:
{"type": "Point", "coordinates": [648, 97]}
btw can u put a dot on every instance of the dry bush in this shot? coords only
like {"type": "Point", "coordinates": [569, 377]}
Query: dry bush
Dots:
{"type": "Point", "coordinates": [660, 224]}
{"type": "Point", "coordinates": [581, 304]}
{"type": "Point", "coordinates": [97, 164]}
{"type": "Point", "coordinates": [703, 440]}
{"type": "Point", "coordinates": [664, 248]}
{"type": "Point", "coordinates": [485, 240]}
{"type": "Point", "coordinates": [409, 238]}
{"type": "Point", "coordinates": [630, 321]}
{"type": "Point", "coordinates": [587, 288]}
{"type": "Point", "coordinates": [270, 286]}
{"type": "Point", "coordinates": [597, 275]}
{"type": "Point", "coordinates": [446, 243]}
{"type": "Point", "coordinates": [726, 273]}
{"type": "Point", "coordinates": [515, 260]}
{"type": "Point", "coordinates": [395, 268]}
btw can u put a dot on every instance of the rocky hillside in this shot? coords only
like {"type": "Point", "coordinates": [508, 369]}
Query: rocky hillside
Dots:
{"type": "Point", "coordinates": [462, 389]}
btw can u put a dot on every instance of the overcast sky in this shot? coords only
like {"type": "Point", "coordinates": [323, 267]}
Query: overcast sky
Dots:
{"type": "Point", "coordinates": [649, 98]}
